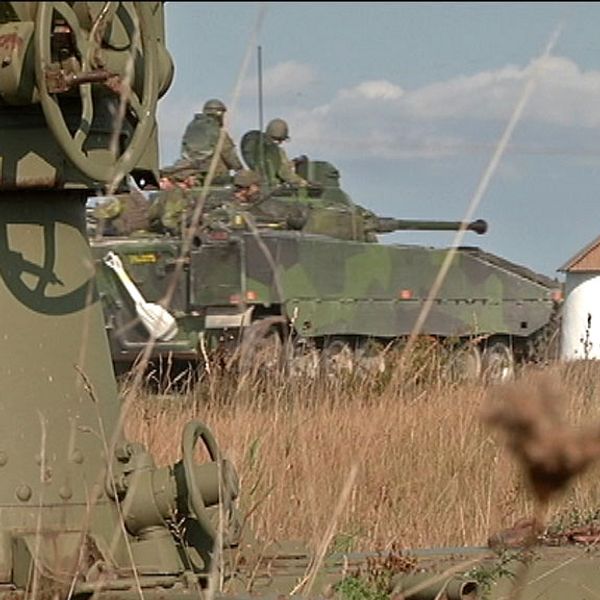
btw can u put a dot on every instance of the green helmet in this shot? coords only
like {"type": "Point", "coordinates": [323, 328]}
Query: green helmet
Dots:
{"type": "Point", "coordinates": [214, 107]}
{"type": "Point", "coordinates": [277, 129]}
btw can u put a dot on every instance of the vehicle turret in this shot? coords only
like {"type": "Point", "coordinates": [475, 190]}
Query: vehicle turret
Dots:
{"type": "Point", "coordinates": [322, 206]}
{"type": "Point", "coordinates": [340, 219]}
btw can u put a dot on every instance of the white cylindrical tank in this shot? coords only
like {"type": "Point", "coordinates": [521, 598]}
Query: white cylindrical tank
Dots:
{"type": "Point", "coordinates": [580, 331]}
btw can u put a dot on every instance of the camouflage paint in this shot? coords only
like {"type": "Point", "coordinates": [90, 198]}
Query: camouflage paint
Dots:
{"type": "Point", "coordinates": [351, 288]}
{"type": "Point", "coordinates": [325, 287]}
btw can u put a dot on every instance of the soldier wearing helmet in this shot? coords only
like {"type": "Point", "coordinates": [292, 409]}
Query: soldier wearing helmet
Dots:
{"type": "Point", "coordinates": [123, 214]}
{"type": "Point", "coordinates": [201, 138]}
{"type": "Point", "coordinates": [278, 132]}
{"type": "Point", "coordinates": [247, 204]}
{"type": "Point", "coordinates": [215, 108]}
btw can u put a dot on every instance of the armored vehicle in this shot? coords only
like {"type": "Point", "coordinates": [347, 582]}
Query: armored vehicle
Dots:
{"type": "Point", "coordinates": [302, 265]}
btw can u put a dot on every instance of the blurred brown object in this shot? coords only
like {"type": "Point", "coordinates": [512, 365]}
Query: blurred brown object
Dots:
{"type": "Point", "coordinates": [529, 413]}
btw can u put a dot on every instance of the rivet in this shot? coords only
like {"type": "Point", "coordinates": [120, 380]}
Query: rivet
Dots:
{"type": "Point", "coordinates": [122, 453]}
{"type": "Point", "coordinates": [65, 492]}
{"type": "Point", "coordinates": [77, 456]}
{"type": "Point", "coordinates": [3, 458]}
{"type": "Point", "coordinates": [23, 492]}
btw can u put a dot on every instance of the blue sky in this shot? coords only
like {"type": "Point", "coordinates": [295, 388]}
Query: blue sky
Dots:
{"type": "Point", "coordinates": [408, 100]}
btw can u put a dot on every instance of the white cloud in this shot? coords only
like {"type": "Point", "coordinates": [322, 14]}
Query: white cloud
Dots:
{"type": "Point", "coordinates": [283, 79]}
{"type": "Point", "coordinates": [465, 114]}
{"type": "Point", "coordinates": [383, 119]}
{"type": "Point", "coordinates": [373, 90]}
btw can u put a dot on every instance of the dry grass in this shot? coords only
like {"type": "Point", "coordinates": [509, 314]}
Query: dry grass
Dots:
{"type": "Point", "coordinates": [429, 472]}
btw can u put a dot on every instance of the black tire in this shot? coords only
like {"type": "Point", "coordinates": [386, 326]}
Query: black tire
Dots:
{"type": "Point", "coordinates": [261, 350]}
{"type": "Point", "coordinates": [464, 363]}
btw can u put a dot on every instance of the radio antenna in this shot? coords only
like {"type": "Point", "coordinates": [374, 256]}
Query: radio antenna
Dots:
{"type": "Point", "coordinates": [261, 146]}
{"type": "Point", "coordinates": [260, 90]}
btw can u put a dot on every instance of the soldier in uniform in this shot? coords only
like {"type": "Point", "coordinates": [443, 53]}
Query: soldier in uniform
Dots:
{"type": "Point", "coordinates": [200, 140]}
{"type": "Point", "coordinates": [265, 210]}
{"type": "Point", "coordinates": [278, 132]}
{"type": "Point", "coordinates": [245, 203]}
{"type": "Point", "coordinates": [174, 204]}
{"type": "Point", "coordinates": [122, 214]}
{"type": "Point", "coordinates": [226, 208]}
{"type": "Point", "coordinates": [175, 198]}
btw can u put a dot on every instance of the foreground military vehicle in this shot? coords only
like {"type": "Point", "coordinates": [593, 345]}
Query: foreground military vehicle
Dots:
{"type": "Point", "coordinates": [302, 265]}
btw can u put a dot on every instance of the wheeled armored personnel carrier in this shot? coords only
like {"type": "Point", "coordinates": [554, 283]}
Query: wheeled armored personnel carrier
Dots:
{"type": "Point", "coordinates": [304, 265]}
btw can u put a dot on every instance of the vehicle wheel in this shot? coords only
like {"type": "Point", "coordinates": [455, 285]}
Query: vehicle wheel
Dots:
{"type": "Point", "coordinates": [369, 359]}
{"type": "Point", "coordinates": [337, 359]}
{"type": "Point", "coordinates": [498, 363]}
{"type": "Point", "coordinates": [302, 359]}
{"type": "Point", "coordinates": [464, 363]}
{"type": "Point", "coordinates": [261, 350]}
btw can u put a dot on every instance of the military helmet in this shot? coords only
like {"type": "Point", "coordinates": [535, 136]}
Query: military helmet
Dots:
{"type": "Point", "coordinates": [245, 178]}
{"type": "Point", "coordinates": [214, 107]}
{"type": "Point", "coordinates": [277, 129]}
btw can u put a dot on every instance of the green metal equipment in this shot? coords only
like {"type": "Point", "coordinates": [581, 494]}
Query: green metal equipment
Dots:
{"type": "Point", "coordinates": [83, 512]}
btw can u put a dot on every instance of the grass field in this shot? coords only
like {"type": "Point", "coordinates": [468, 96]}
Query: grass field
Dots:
{"type": "Point", "coordinates": [421, 466]}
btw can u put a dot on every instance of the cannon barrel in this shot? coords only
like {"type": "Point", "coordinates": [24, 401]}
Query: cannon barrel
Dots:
{"type": "Point", "coordinates": [387, 225]}
{"type": "Point", "coordinates": [424, 586]}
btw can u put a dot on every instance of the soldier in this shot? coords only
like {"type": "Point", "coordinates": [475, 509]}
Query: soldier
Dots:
{"type": "Point", "coordinates": [265, 211]}
{"type": "Point", "coordinates": [200, 140]}
{"type": "Point", "coordinates": [224, 208]}
{"type": "Point", "coordinates": [122, 214]}
{"type": "Point", "coordinates": [175, 199]}
{"type": "Point", "coordinates": [173, 206]}
{"type": "Point", "coordinates": [278, 132]}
